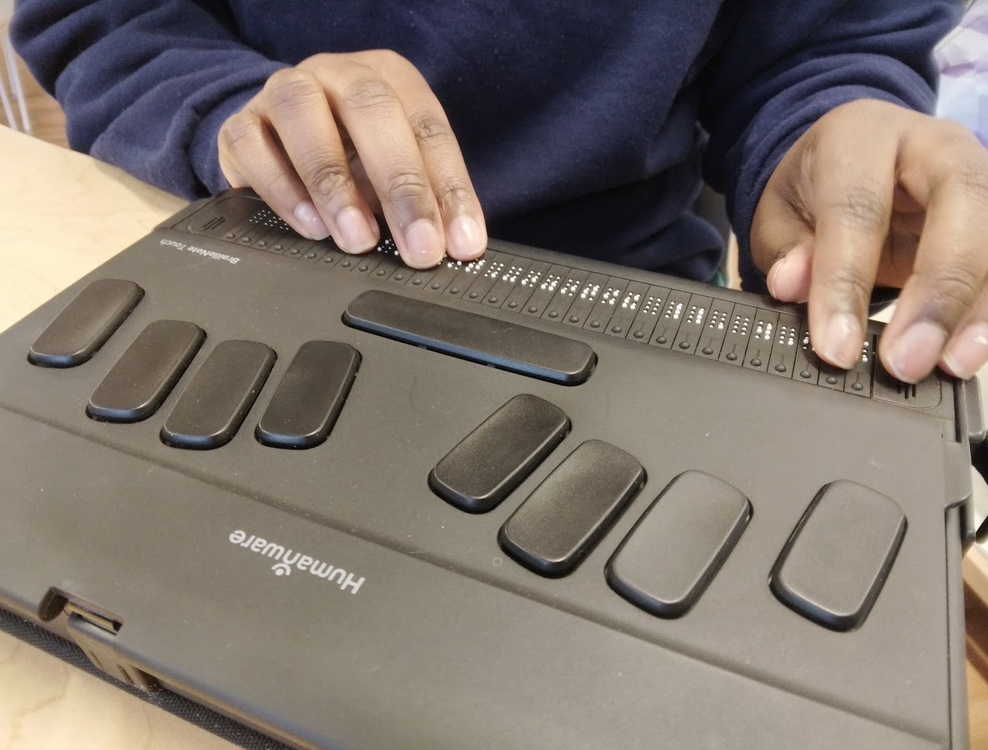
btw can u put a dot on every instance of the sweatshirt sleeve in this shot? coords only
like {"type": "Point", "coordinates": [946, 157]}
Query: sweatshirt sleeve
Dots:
{"type": "Point", "coordinates": [783, 65]}
{"type": "Point", "coordinates": [144, 85]}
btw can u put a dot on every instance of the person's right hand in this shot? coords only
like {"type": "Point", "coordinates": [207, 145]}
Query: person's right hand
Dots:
{"type": "Point", "coordinates": [331, 141]}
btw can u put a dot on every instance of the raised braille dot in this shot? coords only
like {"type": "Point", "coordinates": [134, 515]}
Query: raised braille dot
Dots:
{"type": "Point", "coordinates": [831, 380]}
{"type": "Point", "coordinates": [732, 357]}
{"type": "Point", "coordinates": [756, 362]}
{"type": "Point", "coordinates": [345, 264]}
{"type": "Point", "coordinates": [553, 314]}
{"type": "Point", "coordinates": [229, 235]}
{"type": "Point", "coordinates": [400, 277]}
{"type": "Point", "coordinates": [595, 324]}
{"type": "Point", "coordinates": [805, 374]}
{"type": "Point", "coordinates": [574, 318]}
{"type": "Point", "coordinates": [415, 282]}
{"type": "Point", "coordinates": [707, 350]}
{"type": "Point", "coordinates": [638, 335]}
{"type": "Point", "coordinates": [533, 308]}
{"type": "Point", "coordinates": [617, 329]}
{"type": "Point", "coordinates": [380, 272]}
{"type": "Point", "coordinates": [435, 285]}
{"type": "Point", "coordinates": [455, 290]}
{"type": "Point", "coordinates": [512, 305]}
{"type": "Point", "coordinates": [245, 239]}
{"type": "Point", "coordinates": [473, 295]}
{"type": "Point", "coordinates": [492, 300]}
{"type": "Point", "coordinates": [684, 344]}
{"type": "Point", "coordinates": [662, 339]}
{"type": "Point", "coordinates": [780, 368]}
{"type": "Point", "coordinates": [363, 268]}
{"type": "Point", "coordinates": [262, 244]}
{"type": "Point", "coordinates": [294, 251]}
{"type": "Point", "coordinates": [857, 387]}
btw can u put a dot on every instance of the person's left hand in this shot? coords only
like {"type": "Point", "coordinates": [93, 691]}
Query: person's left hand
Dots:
{"type": "Point", "coordinates": [874, 194]}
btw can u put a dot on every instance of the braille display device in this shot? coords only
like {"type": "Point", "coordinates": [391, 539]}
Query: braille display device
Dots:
{"type": "Point", "coordinates": [531, 501]}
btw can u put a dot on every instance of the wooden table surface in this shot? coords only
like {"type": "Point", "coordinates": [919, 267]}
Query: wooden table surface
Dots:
{"type": "Point", "coordinates": [62, 215]}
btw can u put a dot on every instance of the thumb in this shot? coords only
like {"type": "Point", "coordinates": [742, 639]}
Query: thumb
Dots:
{"type": "Point", "coordinates": [782, 229]}
{"type": "Point", "coordinates": [789, 277]}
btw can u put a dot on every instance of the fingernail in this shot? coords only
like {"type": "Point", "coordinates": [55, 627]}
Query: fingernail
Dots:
{"type": "Point", "coordinates": [969, 351]}
{"type": "Point", "coordinates": [772, 280]}
{"type": "Point", "coordinates": [842, 344]}
{"type": "Point", "coordinates": [467, 240]}
{"type": "Point", "coordinates": [311, 223]}
{"type": "Point", "coordinates": [425, 248]}
{"type": "Point", "coordinates": [355, 234]}
{"type": "Point", "coordinates": [917, 351]}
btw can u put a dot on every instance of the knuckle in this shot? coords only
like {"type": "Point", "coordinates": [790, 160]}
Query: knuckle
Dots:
{"type": "Point", "coordinates": [792, 199]}
{"type": "Point", "coordinates": [275, 186]}
{"type": "Point", "coordinates": [330, 178]}
{"type": "Point", "coordinates": [953, 134]}
{"type": "Point", "coordinates": [240, 130]}
{"type": "Point", "coordinates": [430, 130]}
{"type": "Point", "coordinates": [863, 209]}
{"type": "Point", "coordinates": [391, 58]}
{"type": "Point", "coordinates": [452, 194]}
{"type": "Point", "coordinates": [369, 92]}
{"type": "Point", "coordinates": [974, 181]}
{"type": "Point", "coordinates": [291, 85]}
{"type": "Point", "coordinates": [407, 186]}
{"type": "Point", "coordinates": [956, 287]}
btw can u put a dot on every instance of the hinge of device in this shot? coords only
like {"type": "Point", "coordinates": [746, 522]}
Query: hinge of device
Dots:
{"type": "Point", "coordinates": [96, 635]}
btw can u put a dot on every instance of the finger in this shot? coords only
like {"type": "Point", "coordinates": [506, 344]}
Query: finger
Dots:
{"type": "Point", "coordinates": [967, 351]}
{"type": "Point", "coordinates": [249, 156]}
{"type": "Point", "coordinates": [946, 170]}
{"type": "Point", "coordinates": [295, 103]}
{"type": "Point", "coordinates": [459, 206]}
{"type": "Point", "coordinates": [376, 120]}
{"type": "Point", "coordinates": [853, 176]}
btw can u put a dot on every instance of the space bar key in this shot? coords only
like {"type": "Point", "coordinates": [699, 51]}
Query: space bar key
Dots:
{"type": "Point", "coordinates": [458, 333]}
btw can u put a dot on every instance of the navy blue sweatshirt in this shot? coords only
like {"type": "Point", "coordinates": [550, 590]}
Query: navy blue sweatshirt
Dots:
{"type": "Point", "coordinates": [586, 127]}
